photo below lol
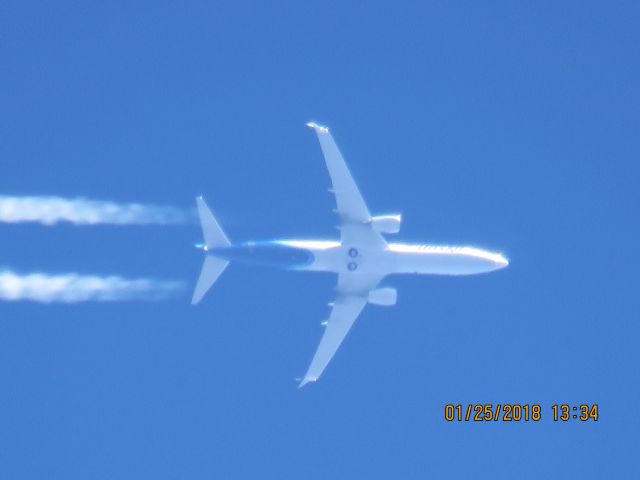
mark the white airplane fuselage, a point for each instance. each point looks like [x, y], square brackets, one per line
[362, 257]
[395, 258]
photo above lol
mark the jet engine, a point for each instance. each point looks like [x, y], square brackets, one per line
[385, 296]
[386, 223]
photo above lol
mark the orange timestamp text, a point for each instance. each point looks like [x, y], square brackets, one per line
[516, 412]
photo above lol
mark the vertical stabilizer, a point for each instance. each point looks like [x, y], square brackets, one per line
[213, 237]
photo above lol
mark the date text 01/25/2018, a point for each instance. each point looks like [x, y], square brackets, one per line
[515, 412]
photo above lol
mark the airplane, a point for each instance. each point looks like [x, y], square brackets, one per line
[361, 258]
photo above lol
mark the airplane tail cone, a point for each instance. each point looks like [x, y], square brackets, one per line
[213, 237]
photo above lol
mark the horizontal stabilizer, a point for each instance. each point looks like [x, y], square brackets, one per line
[213, 234]
[213, 237]
[211, 270]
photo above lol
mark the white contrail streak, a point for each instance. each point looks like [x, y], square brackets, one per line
[72, 288]
[81, 211]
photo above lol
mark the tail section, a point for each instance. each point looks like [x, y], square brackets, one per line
[211, 270]
[213, 237]
[213, 234]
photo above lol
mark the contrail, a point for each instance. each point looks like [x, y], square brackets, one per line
[73, 288]
[81, 211]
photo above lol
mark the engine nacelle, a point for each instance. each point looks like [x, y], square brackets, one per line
[386, 223]
[385, 296]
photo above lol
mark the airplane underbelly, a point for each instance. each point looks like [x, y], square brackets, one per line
[326, 260]
[267, 254]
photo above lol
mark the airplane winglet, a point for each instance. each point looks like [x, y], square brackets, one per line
[317, 128]
[306, 380]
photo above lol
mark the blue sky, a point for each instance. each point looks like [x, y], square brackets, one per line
[510, 126]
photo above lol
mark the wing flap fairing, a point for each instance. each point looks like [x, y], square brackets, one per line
[344, 314]
[351, 205]
[355, 219]
[353, 294]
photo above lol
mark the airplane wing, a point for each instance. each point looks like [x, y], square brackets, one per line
[353, 291]
[354, 215]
